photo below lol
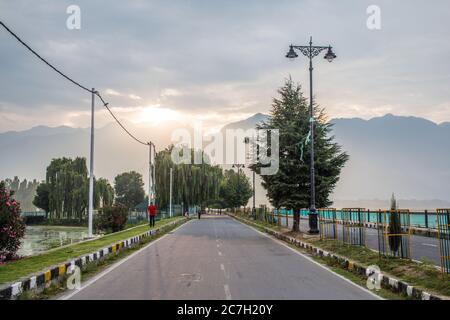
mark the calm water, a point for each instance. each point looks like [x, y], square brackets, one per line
[41, 238]
[417, 218]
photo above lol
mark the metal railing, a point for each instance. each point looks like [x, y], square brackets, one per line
[444, 238]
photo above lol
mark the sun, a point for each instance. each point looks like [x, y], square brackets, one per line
[157, 114]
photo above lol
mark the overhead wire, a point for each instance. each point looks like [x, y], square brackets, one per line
[105, 104]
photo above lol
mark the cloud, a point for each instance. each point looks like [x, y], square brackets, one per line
[134, 97]
[217, 60]
[111, 92]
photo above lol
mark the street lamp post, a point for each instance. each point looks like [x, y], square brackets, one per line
[247, 141]
[311, 52]
[170, 201]
[238, 166]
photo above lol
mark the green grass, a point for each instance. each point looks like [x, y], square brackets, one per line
[422, 275]
[361, 281]
[15, 270]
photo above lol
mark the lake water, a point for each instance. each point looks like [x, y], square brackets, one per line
[41, 238]
[417, 218]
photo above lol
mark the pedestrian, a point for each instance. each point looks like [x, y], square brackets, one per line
[151, 210]
[199, 213]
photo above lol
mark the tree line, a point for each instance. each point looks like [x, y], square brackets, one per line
[63, 195]
[202, 185]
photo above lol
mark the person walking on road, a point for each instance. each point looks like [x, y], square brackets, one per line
[151, 210]
[199, 212]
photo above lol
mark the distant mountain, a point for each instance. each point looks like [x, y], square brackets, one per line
[42, 131]
[247, 123]
[409, 156]
[27, 153]
[406, 155]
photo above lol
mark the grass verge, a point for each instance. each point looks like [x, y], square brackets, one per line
[15, 270]
[422, 275]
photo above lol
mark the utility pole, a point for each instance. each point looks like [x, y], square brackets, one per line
[247, 141]
[238, 166]
[170, 201]
[151, 175]
[254, 200]
[91, 169]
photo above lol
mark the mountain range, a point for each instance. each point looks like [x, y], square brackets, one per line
[409, 156]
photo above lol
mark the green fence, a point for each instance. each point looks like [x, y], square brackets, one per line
[394, 233]
[444, 238]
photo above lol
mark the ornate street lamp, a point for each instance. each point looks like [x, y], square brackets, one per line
[311, 52]
[238, 166]
[247, 142]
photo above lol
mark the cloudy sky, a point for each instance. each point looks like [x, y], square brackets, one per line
[220, 61]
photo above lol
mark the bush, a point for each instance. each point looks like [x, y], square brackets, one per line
[12, 226]
[112, 218]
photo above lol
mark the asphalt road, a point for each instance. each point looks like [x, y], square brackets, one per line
[421, 247]
[218, 258]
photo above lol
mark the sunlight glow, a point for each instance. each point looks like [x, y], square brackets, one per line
[156, 114]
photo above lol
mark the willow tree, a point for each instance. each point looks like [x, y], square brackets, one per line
[192, 184]
[68, 187]
[64, 193]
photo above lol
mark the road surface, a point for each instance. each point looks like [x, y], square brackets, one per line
[218, 258]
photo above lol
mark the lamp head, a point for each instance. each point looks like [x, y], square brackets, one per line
[330, 56]
[291, 55]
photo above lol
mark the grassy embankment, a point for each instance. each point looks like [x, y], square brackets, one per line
[423, 275]
[20, 268]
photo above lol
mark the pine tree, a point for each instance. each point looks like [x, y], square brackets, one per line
[290, 186]
[395, 227]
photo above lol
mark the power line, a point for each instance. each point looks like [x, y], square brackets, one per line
[105, 104]
[42, 59]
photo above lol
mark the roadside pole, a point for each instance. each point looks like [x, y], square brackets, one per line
[170, 201]
[149, 176]
[91, 169]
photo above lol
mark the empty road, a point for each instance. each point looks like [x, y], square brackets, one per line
[217, 258]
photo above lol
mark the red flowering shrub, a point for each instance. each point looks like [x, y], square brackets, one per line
[12, 226]
[112, 218]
